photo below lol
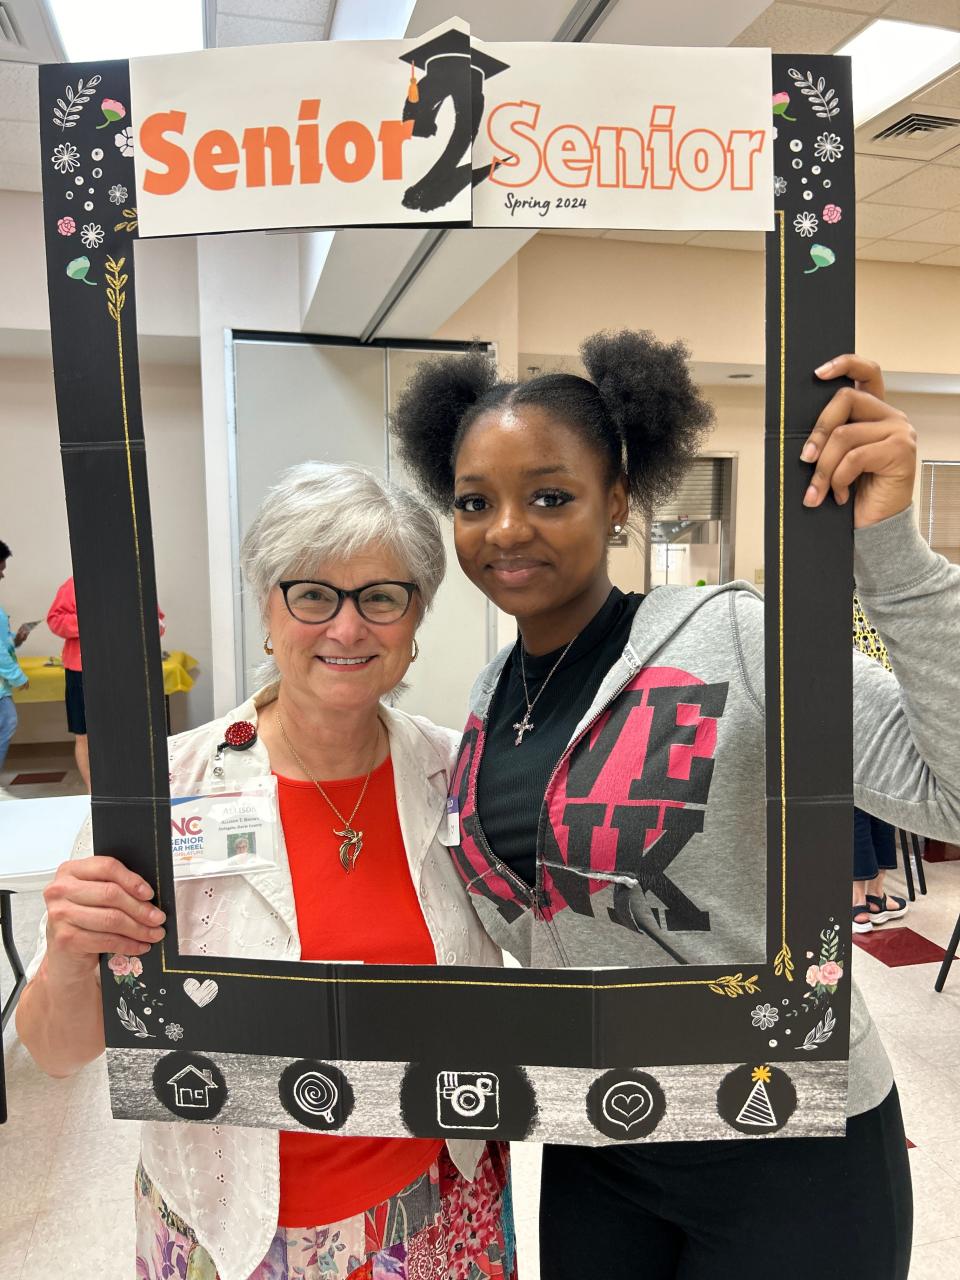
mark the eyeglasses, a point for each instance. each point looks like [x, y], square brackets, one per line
[377, 602]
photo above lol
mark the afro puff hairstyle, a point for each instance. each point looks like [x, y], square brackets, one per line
[638, 407]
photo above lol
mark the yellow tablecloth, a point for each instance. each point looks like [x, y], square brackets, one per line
[47, 682]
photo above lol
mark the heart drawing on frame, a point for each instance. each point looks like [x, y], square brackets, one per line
[201, 993]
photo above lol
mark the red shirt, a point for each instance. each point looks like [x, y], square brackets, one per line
[62, 621]
[373, 914]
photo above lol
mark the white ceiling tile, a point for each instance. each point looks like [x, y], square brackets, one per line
[785, 28]
[885, 219]
[950, 157]
[861, 6]
[942, 228]
[950, 258]
[19, 143]
[874, 172]
[939, 13]
[651, 237]
[19, 177]
[933, 186]
[752, 240]
[863, 241]
[245, 31]
[18, 92]
[316, 12]
[895, 251]
[944, 94]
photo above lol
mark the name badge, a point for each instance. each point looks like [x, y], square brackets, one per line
[450, 828]
[230, 832]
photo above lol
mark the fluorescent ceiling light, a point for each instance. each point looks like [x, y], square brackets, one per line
[891, 60]
[97, 30]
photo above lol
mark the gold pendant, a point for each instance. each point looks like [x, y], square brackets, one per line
[350, 849]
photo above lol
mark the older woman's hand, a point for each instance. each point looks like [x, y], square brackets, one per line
[94, 905]
[859, 437]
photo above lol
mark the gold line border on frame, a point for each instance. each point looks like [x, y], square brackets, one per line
[583, 986]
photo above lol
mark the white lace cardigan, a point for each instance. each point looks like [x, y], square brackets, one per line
[225, 1180]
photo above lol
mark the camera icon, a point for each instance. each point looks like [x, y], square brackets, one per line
[468, 1100]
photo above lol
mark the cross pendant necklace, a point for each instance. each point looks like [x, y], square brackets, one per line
[526, 725]
[523, 726]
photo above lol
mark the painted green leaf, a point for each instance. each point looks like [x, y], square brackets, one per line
[78, 269]
[822, 257]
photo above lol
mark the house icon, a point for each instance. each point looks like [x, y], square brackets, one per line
[192, 1087]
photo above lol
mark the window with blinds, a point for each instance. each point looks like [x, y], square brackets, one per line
[940, 507]
[703, 493]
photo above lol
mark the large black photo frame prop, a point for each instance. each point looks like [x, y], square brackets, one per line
[556, 1045]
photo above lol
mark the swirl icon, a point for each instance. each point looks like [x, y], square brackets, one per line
[316, 1094]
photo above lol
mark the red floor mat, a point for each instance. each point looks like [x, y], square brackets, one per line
[899, 946]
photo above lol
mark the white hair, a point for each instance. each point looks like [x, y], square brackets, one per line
[319, 512]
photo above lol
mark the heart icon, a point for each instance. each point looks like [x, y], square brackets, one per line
[626, 1104]
[201, 993]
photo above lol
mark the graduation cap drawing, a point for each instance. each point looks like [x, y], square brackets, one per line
[454, 70]
[448, 45]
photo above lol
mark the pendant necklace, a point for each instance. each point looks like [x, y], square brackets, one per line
[526, 725]
[351, 837]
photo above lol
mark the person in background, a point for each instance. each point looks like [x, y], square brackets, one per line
[874, 854]
[62, 621]
[11, 673]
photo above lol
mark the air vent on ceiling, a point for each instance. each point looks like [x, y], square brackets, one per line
[915, 123]
[908, 132]
[9, 35]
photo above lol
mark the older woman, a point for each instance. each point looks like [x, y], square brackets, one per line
[344, 568]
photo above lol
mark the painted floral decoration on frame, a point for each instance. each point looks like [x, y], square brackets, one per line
[65, 157]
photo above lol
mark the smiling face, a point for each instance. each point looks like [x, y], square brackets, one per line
[348, 662]
[533, 506]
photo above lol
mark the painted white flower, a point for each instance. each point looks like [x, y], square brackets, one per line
[117, 193]
[828, 147]
[765, 1016]
[174, 1031]
[92, 235]
[65, 158]
[124, 140]
[779, 186]
[805, 223]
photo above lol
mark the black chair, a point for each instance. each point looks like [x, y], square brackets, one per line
[910, 844]
[949, 958]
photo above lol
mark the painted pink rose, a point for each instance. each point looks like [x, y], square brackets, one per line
[66, 226]
[830, 973]
[120, 965]
[112, 112]
[136, 968]
[832, 213]
[781, 97]
[813, 975]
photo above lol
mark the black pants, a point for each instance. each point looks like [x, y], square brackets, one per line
[789, 1208]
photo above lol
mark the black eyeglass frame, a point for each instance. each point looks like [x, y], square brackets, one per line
[343, 594]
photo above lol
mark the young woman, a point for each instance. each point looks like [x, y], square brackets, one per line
[538, 475]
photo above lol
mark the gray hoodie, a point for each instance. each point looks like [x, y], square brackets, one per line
[675, 905]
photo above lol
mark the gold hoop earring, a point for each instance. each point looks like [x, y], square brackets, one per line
[416, 650]
[266, 645]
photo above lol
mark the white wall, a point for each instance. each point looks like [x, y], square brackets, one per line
[33, 520]
[249, 281]
[166, 274]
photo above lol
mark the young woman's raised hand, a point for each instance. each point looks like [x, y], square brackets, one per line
[859, 437]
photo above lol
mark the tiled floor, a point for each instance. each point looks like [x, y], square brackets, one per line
[66, 1167]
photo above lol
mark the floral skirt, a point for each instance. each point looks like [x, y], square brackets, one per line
[440, 1227]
